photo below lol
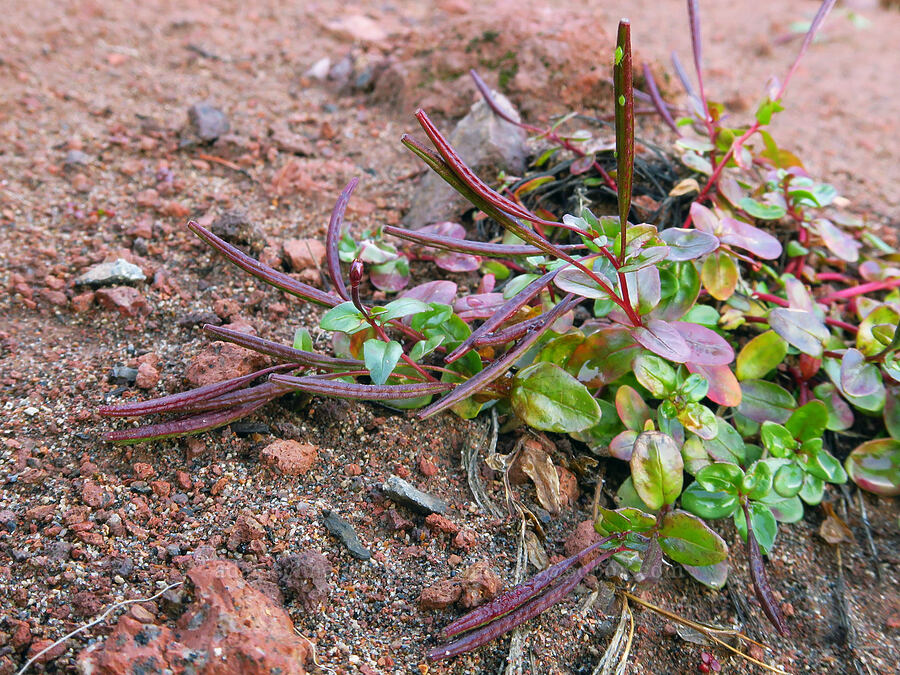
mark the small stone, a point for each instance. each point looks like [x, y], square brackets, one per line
[440, 595]
[402, 492]
[118, 273]
[568, 487]
[81, 183]
[245, 530]
[83, 301]
[427, 467]
[344, 531]
[305, 576]
[290, 457]
[304, 254]
[319, 70]
[86, 604]
[40, 645]
[465, 539]
[141, 614]
[8, 520]
[353, 469]
[207, 122]
[143, 471]
[147, 376]
[76, 158]
[93, 495]
[128, 301]
[480, 583]
[358, 28]
[439, 523]
[122, 375]
[222, 361]
[582, 536]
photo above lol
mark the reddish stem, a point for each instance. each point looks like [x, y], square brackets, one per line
[862, 289]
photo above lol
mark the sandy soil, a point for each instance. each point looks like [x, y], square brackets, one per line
[113, 82]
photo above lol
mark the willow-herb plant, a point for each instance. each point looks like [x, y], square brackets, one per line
[653, 377]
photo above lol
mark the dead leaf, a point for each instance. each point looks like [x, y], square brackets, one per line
[833, 529]
[538, 466]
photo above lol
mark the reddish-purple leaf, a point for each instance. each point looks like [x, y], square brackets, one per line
[441, 291]
[707, 347]
[704, 219]
[688, 244]
[750, 238]
[658, 101]
[479, 306]
[457, 262]
[663, 339]
[724, 387]
[858, 377]
[622, 445]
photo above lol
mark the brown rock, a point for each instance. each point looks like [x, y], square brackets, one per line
[465, 539]
[229, 628]
[222, 361]
[304, 253]
[86, 604]
[147, 198]
[40, 645]
[143, 471]
[480, 583]
[438, 523]
[290, 457]
[147, 376]
[582, 536]
[568, 487]
[127, 300]
[83, 301]
[142, 614]
[20, 633]
[442, 594]
[427, 467]
[305, 576]
[245, 530]
[93, 495]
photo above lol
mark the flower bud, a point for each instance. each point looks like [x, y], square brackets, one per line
[356, 272]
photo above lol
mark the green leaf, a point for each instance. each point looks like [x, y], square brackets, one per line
[859, 377]
[762, 401]
[712, 576]
[344, 318]
[599, 436]
[604, 356]
[632, 410]
[875, 466]
[727, 446]
[760, 356]
[777, 439]
[708, 505]
[381, 358]
[623, 520]
[573, 280]
[719, 275]
[822, 464]
[656, 469]
[694, 388]
[812, 490]
[760, 210]
[674, 305]
[800, 328]
[302, 340]
[757, 481]
[720, 477]
[765, 527]
[546, 397]
[626, 495]
[766, 109]
[788, 480]
[655, 375]
[866, 342]
[694, 455]
[840, 416]
[808, 421]
[403, 307]
[688, 540]
[425, 347]
[698, 419]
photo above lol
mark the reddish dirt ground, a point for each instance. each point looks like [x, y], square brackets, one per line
[113, 81]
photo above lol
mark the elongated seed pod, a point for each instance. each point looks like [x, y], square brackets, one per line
[280, 351]
[334, 236]
[525, 612]
[279, 280]
[177, 402]
[515, 597]
[184, 426]
[760, 582]
[362, 392]
[472, 247]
